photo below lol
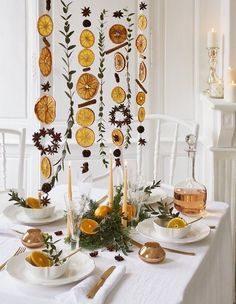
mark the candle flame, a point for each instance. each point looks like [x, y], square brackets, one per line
[213, 30]
[126, 163]
[69, 164]
[229, 68]
[110, 151]
[233, 82]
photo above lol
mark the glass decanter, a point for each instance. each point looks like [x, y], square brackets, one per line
[189, 195]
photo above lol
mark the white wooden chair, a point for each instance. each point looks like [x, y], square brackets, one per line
[170, 131]
[6, 137]
[160, 129]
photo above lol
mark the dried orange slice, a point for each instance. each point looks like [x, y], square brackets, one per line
[119, 61]
[85, 117]
[40, 259]
[118, 33]
[141, 43]
[87, 86]
[88, 226]
[142, 22]
[142, 71]
[45, 109]
[45, 25]
[140, 98]
[45, 61]
[87, 39]
[33, 202]
[177, 222]
[86, 57]
[102, 211]
[117, 137]
[85, 137]
[118, 95]
[46, 168]
[141, 114]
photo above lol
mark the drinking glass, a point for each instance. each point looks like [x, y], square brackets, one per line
[75, 210]
[136, 195]
[84, 181]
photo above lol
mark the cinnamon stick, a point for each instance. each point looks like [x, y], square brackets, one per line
[86, 69]
[46, 42]
[116, 48]
[141, 86]
[87, 103]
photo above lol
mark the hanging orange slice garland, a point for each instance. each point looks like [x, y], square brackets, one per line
[141, 45]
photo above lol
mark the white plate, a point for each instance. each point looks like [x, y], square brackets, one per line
[15, 213]
[80, 266]
[197, 232]
[156, 196]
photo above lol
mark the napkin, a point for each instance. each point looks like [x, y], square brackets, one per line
[77, 295]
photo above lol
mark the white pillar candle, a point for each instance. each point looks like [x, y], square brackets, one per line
[230, 74]
[230, 92]
[212, 39]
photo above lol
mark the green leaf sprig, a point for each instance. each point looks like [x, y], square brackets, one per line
[19, 200]
[101, 70]
[128, 76]
[51, 251]
[154, 185]
[68, 48]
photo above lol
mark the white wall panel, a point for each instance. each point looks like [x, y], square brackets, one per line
[13, 59]
[179, 58]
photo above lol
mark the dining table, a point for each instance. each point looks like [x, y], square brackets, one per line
[206, 277]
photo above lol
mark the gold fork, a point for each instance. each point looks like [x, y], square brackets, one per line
[18, 251]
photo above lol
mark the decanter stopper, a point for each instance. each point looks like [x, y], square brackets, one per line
[191, 140]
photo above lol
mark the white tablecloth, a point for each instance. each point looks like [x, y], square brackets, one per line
[205, 278]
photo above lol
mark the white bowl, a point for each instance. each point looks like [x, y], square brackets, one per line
[50, 273]
[170, 233]
[41, 213]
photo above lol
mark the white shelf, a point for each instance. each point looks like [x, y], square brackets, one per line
[219, 104]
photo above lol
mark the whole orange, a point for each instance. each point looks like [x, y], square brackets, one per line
[102, 211]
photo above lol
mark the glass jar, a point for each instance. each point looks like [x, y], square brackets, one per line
[189, 195]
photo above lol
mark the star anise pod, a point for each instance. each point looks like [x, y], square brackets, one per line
[86, 11]
[119, 258]
[118, 14]
[110, 247]
[142, 6]
[43, 132]
[45, 86]
[45, 200]
[36, 137]
[116, 138]
[142, 141]
[118, 163]
[93, 254]
[85, 167]
[56, 137]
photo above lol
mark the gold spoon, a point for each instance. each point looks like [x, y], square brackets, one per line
[139, 245]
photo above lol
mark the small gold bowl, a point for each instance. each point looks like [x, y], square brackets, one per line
[32, 238]
[152, 252]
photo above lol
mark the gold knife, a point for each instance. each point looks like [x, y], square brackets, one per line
[92, 292]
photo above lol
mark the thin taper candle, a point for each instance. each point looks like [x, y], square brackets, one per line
[125, 196]
[68, 226]
[69, 183]
[110, 191]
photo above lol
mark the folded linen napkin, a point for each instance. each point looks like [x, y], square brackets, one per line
[77, 295]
